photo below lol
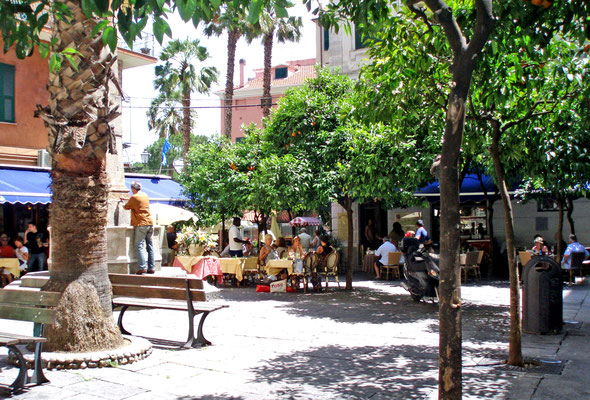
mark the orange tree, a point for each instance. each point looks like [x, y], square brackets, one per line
[341, 159]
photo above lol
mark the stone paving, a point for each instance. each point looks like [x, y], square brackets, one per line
[372, 343]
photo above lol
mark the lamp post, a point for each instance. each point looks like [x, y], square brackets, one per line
[145, 157]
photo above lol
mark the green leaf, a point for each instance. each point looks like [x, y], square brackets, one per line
[88, 8]
[43, 49]
[72, 61]
[54, 62]
[109, 37]
[70, 50]
[186, 9]
[281, 12]
[255, 10]
[99, 27]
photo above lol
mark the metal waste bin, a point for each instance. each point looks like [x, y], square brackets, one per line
[542, 299]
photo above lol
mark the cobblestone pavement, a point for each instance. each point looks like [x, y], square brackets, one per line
[371, 343]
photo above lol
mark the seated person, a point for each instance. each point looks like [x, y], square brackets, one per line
[281, 247]
[172, 243]
[248, 248]
[297, 249]
[539, 248]
[6, 250]
[267, 252]
[324, 250]
[383, 252]
[572, 247]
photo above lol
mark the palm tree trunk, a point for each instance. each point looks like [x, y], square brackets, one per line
[186, 122]
[232, 40]
[515, 340]
[77, 119]
[266, 96]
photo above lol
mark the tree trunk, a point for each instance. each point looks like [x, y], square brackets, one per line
[570, 210]
[515, 341]
[232, 40]
[266, 96]
[186, 122]
[347, 205]
[560, 226]
[77, 119]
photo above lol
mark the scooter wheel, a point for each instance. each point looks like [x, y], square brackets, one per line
[416, 297]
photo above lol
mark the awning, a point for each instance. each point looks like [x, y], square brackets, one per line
[305, 221]
[472, 189]
[30, 185]
[22, 186]
[158, 189]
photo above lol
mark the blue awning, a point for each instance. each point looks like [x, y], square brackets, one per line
[471, 189]
[158, 189]
[22, 186]
[30, 185]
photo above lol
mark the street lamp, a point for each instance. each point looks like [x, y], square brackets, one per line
[144, 157]
[178, 165]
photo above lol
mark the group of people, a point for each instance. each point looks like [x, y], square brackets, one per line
[30, 250]
[392, 242]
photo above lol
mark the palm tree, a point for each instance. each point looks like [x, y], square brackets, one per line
[234, 22]
[287, 29]
[178, 77]
[164, 116]
[77, 118]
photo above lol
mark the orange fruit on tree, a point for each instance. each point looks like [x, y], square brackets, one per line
[537, 2]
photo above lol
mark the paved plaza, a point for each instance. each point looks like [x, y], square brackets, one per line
[372, 343]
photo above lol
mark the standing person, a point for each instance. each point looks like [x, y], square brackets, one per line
[573, 246]
[235, 239]
[172, 244]
[6, 250]
[422, 233]
[370, 234]
[315, 243]
[397, 233]
[141, 219]
[305, 239]
[35, 242]
[22, 253]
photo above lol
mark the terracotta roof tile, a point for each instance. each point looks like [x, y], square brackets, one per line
[295, 78]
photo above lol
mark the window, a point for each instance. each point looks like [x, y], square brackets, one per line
[281, 72]
[326, 39]
[6, 93]
[547, 204]
[359, 40]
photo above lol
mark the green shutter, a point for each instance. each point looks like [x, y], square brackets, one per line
[6, 93]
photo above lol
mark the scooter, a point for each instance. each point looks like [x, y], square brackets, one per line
[421, 270]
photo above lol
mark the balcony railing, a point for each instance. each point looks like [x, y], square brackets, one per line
[144, 45]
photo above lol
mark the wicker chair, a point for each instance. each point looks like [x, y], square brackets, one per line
[576, 260]
[310, 265]
[331, 267]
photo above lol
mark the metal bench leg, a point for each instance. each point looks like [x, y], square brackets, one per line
[120, 321]
[21, 379]
[200, 338]
[190, 342]
[38, 375]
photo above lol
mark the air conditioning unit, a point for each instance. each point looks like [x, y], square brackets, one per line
[43, 159]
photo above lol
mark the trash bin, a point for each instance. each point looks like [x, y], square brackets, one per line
[542, 304]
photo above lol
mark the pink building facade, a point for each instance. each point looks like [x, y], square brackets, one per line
[248, 95]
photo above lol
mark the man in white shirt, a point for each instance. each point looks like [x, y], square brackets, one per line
[305, 240]
[235, 239]
[383, 252]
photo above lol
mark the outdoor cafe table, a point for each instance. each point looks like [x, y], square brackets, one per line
[273, 267]
[11, 265]
[232, 266]
[369, 262]
[200, 266]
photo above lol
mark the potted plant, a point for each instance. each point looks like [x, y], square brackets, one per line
[194, 242]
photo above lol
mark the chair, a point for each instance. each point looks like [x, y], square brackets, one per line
[310, 264]
[470, 264]
[525, 257]
[576, 263]
[331, 267]
[393, 259]
[250, 268]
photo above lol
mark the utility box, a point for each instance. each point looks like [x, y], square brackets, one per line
[542, 298]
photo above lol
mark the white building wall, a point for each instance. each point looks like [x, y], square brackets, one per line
[339, 221]
[342, 53]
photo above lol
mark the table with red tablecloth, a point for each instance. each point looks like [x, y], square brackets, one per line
[200, 266]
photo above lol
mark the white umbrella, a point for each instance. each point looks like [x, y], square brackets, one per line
[165, 214]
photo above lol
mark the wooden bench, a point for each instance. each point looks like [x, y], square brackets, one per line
[151, 292]
[27, 305]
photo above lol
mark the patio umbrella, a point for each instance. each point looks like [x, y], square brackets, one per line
[305, 221]
[165, 214]
[274, 227]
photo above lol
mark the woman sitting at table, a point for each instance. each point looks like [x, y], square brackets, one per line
[297, 253]
[539, 248]
[324, 250]
[267, 252]
[281, 247]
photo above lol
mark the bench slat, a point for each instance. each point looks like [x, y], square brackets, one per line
[162, 281]
[23, 313]
[8, 339]
[156, 292]
[198, 306]
[29, 297]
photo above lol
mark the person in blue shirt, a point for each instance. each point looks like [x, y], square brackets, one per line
[573, 246]
[422, 233]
